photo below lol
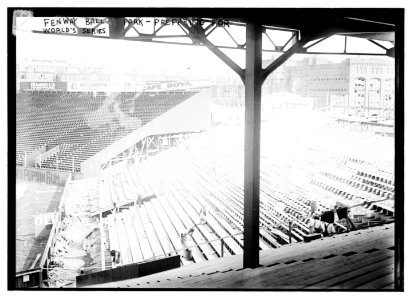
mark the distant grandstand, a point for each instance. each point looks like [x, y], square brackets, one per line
[77, 125]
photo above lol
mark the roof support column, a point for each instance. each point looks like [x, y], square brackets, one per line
[253, 85]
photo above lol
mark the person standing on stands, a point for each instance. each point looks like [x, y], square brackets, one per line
[115, 207]
[202, 216]
[328, 219]
[329, 229]
[115, 256]
[187, 251]
[343, 213]
[315, 226]
[313, 207]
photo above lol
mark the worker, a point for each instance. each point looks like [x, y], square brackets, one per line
[329, 229]
[202, 216]
[315, 225]
[115, 256]
[187, 251]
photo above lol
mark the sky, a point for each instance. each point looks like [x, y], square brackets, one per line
[147, 58]
[144, 56]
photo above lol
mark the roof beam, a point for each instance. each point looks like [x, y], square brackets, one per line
[391, 52]
[297, 47]
[381, 36]
[197, 34]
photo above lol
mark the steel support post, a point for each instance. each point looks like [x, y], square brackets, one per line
[290, 232]
[252, 144]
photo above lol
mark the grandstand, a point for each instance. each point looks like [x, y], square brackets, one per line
[160, 197]
[81, 124]
[204, 171]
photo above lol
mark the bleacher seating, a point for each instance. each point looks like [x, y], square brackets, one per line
[82, 124]
[206, 171]
[355, 260]
[196, 175]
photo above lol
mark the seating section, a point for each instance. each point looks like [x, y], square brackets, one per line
[83, 124]
[355, 260]
[206, 171]
[197, 174]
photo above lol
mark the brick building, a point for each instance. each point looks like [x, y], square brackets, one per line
[355, 86]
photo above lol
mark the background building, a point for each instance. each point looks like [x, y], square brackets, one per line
[356, 86]
[361, 87]
[64, 76]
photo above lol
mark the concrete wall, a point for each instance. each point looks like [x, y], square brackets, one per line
[194, 114]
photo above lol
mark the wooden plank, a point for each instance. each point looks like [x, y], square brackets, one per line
[123, 239]
[119, 193]
[35, 261]
[187, 213]
[167, 224]
[191, 184]
[137, 181]
[112, 232]
[142, 235]
[143, 178]
[292, 275]
[270, 238]
[175, 218]
[335, 275]
[132, 237]
[281, 276]
[131, 184]
[221, 232]
[379, 283]
[216, 187]
[111, 193]
[389, 287]
[107, 193]
[180, 277]
[126, 188]
[151, 234]
[101, 194]
[165, 241]
[212, 190]
[381, 269]
[170, 229]
[102, 239]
